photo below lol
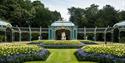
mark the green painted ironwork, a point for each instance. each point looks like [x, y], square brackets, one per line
[72, 30]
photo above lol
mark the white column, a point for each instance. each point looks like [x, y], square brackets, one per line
[119, 34]
[30, 34]
[105, 35]
[95, 34]
[40, 33]
[5, 36]
[19, 34]
[112, 34]
[12, 35]
[85, 33]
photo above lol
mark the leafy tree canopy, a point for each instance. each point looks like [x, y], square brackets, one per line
[92, 16]
[26, 13]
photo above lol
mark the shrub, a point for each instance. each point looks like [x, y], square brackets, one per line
[87, 41]
[18, 53]
[59, 43]
[2, 38]
[122, 40]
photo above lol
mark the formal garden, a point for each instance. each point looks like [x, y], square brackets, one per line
[62, 31]
[62, 51]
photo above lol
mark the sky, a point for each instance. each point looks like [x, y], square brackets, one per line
[62, 5]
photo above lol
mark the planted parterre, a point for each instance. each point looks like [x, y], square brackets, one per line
[102, 53]
[60, 43]
[18, 53]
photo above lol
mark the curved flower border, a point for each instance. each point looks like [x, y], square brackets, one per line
[101, 58]
[20, 58]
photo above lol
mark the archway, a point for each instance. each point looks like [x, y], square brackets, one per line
[9, 34]
[59, 34]
[116, 35]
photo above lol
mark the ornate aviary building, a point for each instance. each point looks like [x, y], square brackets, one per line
[62, 30]
[4, 25]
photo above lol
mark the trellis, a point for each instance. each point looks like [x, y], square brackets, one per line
[84, 30]
[29, 30]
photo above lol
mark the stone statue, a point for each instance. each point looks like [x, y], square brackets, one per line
[40, 37]
[63, 36]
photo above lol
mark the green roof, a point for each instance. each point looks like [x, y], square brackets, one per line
[4, 23]
[62, 23]
[122, 23]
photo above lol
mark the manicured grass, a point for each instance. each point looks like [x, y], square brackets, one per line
[61, 56]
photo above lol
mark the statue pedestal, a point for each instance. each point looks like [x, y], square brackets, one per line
[63, 36]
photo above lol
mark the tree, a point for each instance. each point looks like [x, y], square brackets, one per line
[92, 16]
[77, 15]
[107, 16]
[83, 17]
[42, 16]
[121, 15]
[24, 13]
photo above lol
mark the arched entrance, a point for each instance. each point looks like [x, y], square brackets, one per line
[59, 29]
[60, 32]
[9, 34]
[116, 35]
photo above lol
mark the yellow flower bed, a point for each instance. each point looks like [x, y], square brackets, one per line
[114, 49]
[11, 49]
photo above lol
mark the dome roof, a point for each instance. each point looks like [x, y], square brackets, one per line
[122, 23]
[3, 23]
[62, 23]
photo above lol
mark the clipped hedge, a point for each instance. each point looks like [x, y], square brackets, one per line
[2, 38]
[122, 40]
[102, 53]
[87, 41]
[59, 43]
[19, 53]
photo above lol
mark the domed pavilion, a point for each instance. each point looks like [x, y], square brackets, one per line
[120, 24]
[62, 30]
[4, 25]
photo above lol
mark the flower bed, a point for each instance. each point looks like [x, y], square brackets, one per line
[87, 42]
[102, 53]
[60, 43]
[18, 53]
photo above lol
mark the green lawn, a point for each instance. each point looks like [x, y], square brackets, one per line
[61, 56]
